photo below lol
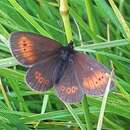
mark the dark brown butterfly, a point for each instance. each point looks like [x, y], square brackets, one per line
[72, 73]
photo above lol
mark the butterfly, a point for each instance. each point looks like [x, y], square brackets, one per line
[73, 74]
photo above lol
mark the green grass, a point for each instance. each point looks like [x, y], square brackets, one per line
[98, 27]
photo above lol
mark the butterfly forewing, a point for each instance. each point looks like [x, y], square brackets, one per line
[29, 48]
[93, 77]
[39, 76]
[68, 88]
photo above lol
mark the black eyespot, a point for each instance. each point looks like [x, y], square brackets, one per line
[24, 44]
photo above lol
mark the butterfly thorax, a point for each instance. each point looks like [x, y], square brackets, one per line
[66, 54]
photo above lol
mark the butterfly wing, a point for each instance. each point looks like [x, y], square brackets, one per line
[39, 76]
[93, 77]
[68, 88]
[29, 48]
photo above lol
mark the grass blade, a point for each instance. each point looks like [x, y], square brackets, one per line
[75, 116]
[104, 101]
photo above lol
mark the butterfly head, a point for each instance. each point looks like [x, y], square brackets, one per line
[70, 46]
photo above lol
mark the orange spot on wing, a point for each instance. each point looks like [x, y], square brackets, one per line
[74, 89]
[26, 48]
[40, 78]
[62, 88]
[69, 90]
[97, 80]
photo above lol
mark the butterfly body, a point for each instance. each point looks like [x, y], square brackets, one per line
[65, 56]
[72, 73]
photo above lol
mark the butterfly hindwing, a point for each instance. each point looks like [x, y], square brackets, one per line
[68, 88]
[93, 77]
[39, 77]
[29, 48]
